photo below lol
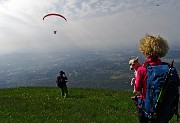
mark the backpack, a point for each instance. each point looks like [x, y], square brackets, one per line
[61, 81]
[162, 96]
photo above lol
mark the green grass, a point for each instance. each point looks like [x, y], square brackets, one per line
[45, 105]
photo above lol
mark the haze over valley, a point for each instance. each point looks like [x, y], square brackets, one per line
[89, 69]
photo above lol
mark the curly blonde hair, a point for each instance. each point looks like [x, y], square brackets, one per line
[153, 46]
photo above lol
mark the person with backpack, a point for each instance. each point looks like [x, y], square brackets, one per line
[61, 83]
[156, 83]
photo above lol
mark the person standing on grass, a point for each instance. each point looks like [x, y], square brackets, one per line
[61, 83]
[153, 48]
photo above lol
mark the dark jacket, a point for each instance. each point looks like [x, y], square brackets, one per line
[61, 81]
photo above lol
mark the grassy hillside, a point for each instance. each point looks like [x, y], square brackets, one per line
[45, 105]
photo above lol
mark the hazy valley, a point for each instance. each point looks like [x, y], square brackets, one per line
[92, 69]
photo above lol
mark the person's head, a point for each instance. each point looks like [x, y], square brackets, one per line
[61, 72]
[153, 46]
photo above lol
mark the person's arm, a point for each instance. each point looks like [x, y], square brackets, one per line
[139, 80]
[65, 77]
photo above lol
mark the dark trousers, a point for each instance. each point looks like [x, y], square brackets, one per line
[143, 119]
[64, 91]
[141, 116]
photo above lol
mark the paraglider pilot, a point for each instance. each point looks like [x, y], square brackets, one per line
[61, 83]
[55, 32]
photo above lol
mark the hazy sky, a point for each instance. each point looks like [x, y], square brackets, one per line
[90, 23]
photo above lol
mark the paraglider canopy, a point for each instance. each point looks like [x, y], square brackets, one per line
[54, 14]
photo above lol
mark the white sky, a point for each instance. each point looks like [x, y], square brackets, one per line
[90, 23]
